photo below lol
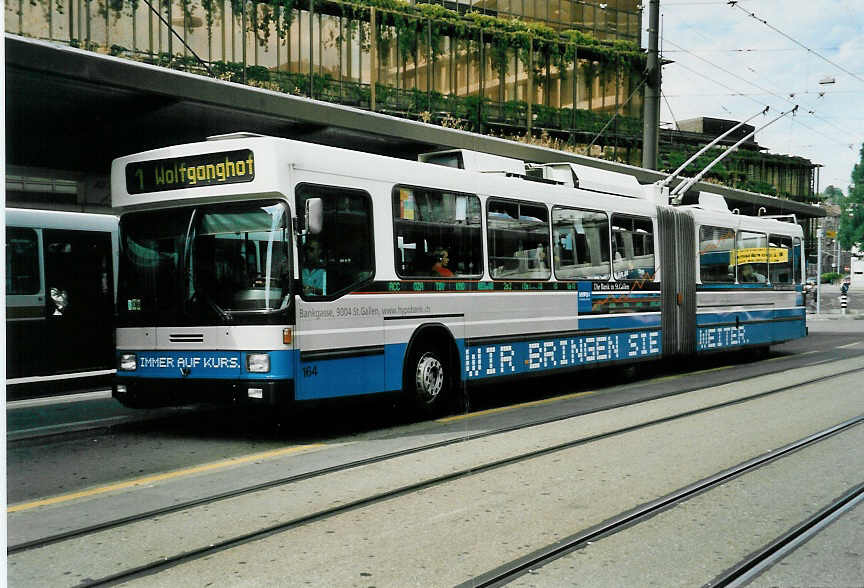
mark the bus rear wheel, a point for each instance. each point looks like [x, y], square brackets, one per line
[428, 381]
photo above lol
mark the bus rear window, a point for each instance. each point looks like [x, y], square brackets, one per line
[780, 258]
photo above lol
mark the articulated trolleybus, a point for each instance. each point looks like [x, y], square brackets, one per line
[265, 270]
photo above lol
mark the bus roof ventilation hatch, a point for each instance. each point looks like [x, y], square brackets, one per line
[712, 201]
[474, 161]
[591, 178]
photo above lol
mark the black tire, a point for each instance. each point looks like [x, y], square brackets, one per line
[428, 383]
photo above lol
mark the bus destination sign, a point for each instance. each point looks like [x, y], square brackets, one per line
[193, 171]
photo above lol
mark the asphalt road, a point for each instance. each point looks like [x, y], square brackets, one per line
[451, 532]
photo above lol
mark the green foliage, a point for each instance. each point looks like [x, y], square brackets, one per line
[474, 111]
[852, 214]
[758, 186]
[829, 277]
[421, 27]
[832, 195]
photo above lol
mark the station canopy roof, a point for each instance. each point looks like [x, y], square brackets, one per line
[75, 110]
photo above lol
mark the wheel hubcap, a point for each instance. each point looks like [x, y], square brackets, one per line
[429, 377]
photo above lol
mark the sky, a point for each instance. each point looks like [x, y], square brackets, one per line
[729, 65]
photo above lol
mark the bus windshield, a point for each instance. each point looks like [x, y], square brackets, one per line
[202, 265]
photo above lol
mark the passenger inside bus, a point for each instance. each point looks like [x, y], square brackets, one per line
[314, 275]
[748, 274]
[442, 259]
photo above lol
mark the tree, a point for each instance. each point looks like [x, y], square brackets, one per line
[852, 215]
[832, 195]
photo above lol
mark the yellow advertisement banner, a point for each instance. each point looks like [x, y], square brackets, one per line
[757, 255]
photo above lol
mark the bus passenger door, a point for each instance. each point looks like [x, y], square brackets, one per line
[678, 280]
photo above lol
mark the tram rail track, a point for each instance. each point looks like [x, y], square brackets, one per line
[284, 481]
[738, 575]
[206, 500]
[240, 539]
[752, 566]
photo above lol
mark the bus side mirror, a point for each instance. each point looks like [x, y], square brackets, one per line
[314, 216]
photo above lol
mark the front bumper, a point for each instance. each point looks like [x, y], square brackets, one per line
[146, 393]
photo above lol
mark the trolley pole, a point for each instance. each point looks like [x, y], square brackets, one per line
[651, 109]
[818, 269]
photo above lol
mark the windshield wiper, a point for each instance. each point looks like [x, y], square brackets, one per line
[198, 297]
[223, 314]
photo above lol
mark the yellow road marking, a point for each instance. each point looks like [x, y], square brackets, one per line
[160, 477]
[677, 376]
[460, 417]
[791, 356]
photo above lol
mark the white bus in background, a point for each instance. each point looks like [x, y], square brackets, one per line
[60, 284]
[267, 271]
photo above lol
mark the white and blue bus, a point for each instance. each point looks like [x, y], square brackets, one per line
[60, 284]
[270, 271]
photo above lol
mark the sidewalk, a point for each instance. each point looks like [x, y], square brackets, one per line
[829, 304]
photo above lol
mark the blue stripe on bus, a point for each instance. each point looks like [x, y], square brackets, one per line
[631, 337]
[723, 330]
[338, 377]
[543, 355]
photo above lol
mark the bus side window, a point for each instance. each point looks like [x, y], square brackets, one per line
[342, 257]
[633, 245]
[716, 249]
[580, 244]
[518, 240]
[780, 258]
[436, 234]
[22, 261]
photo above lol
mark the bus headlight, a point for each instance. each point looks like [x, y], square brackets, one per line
[128, 362]
[258, 362]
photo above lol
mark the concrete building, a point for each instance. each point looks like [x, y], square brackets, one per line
[751, 167]
[87, 82]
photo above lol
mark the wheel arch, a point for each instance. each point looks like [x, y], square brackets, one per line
[436, 334]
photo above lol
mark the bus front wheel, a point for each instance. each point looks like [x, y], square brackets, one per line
[428, 381]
